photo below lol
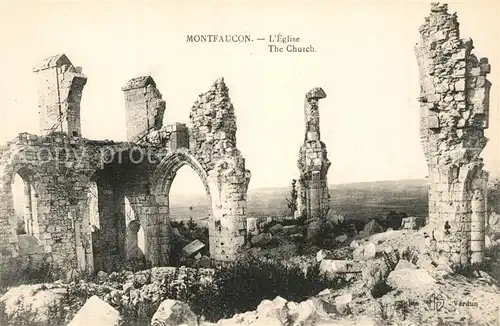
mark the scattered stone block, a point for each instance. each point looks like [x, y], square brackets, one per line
[174, 313]
[296, 237]
[369, 251]
[320, 255]
[405, 264]
[341, 238]
[275, 229]
[290, 229]
[325, 292]
[192, 248]
[313, 229]
[354, 244]
[487, 242]
[261, 240]
[412, 280]
[252, 226]
[342, 303]
[38, 297]
[330, 267]
[96, 312]
[372, 228]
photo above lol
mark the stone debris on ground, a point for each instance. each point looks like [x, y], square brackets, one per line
[341, 238]
[174, 313]
[36, 298]
[252, 226]
[331, 268]
[275, 229]
[371, 228]
[261, 240]
[96, 312]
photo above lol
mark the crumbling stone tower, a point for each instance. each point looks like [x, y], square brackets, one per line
[60, 86]
[313, 163]
[454, 113]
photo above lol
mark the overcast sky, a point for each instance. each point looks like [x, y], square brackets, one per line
[364, 62]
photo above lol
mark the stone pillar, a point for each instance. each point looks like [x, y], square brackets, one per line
[228, 184]
[313, 163]
[144, 107]
[60, 86]
[454, 113]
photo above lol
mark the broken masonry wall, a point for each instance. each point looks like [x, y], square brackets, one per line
[213, 126]
[59, 189]
[313, 163]
[454, 113]
[213, 144]
[60, 87]
[61, 170]
[144, 107]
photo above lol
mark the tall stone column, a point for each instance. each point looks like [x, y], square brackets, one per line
[313, 163]
[454, 113]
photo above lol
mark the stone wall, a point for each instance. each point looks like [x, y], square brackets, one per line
[313, 163]
[454, 113]
[61, 170]
[75, 188]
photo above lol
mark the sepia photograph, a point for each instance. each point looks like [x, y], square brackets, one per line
[266, 163]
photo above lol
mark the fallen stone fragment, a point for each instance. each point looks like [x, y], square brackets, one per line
[173, 313]
[96, 312]
[261, 240]
[372, 228]
[404, 264]
[275, 229]
[354, 244]
[320, 255]
[252, 226]
[193, 248]
[290, 229]
[36, 299]
[330, 267]
[296, 236]
[412, 280]
[342, 303]
[369, 251]
[341, 238]
[313, 229]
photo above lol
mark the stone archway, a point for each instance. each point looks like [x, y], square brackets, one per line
[226, 193]
[165, 174]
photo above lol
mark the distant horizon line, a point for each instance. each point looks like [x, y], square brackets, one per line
[347, 183]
